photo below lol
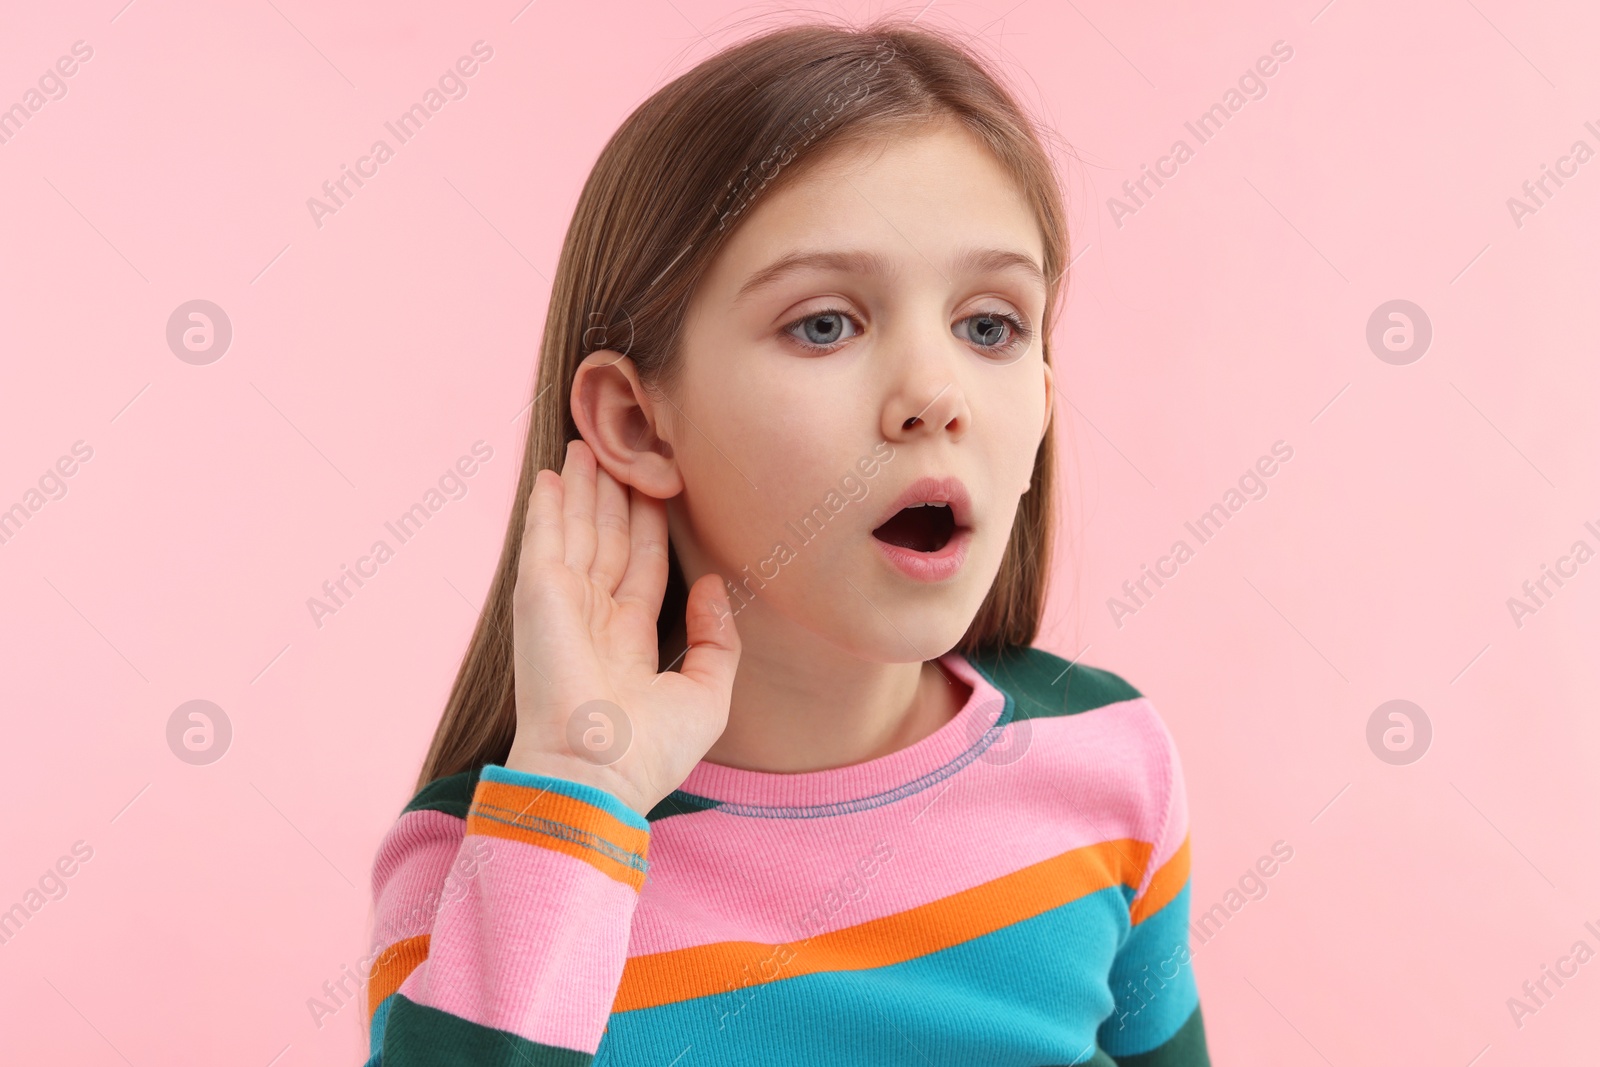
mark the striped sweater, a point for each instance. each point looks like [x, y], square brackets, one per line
[1013, 889]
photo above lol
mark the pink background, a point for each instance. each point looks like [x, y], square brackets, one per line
[1228, 313]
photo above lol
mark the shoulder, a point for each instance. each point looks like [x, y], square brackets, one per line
[1043, 684]
[423, 840]
[1093, 731]
[1077, 715]
[451, 794]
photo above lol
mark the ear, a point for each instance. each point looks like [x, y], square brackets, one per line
[619, 421]
[1049, 400]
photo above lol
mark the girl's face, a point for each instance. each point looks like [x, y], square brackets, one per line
[857, 334]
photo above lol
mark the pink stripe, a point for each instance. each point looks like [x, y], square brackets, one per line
[413, 861]
[533, 944]
[1175, 794]
[1096, 776]
[979, 712]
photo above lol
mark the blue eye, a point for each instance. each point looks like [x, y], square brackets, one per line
[828, 331]
[823, 331]
[992, 326]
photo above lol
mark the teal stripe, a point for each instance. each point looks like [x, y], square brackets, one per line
[600, 798]
[1153, 982]
[380, 1019]
[1031, 993]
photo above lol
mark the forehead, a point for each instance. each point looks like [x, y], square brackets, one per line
[916, 198]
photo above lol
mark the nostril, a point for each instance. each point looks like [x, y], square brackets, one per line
[912, 421]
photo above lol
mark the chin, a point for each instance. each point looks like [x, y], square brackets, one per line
[912, 638]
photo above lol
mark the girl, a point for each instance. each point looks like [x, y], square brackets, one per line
[796, 378]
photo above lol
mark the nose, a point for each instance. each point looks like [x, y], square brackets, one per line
[932, 406]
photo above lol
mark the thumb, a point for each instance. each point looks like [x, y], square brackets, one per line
[713, 654]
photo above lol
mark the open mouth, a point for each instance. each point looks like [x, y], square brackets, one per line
[920, 527]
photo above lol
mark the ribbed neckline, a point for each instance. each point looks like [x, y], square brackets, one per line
[859, 785]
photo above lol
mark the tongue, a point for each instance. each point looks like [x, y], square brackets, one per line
[924, 529]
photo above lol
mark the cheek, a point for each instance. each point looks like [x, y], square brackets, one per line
[1010, 420]
[757, 456]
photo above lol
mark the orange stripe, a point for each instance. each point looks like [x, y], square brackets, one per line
[391, 968]
[550, 805]
[668, 977]
[521, 813]
[1167, 883]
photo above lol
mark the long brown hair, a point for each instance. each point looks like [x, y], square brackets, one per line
[671, 185]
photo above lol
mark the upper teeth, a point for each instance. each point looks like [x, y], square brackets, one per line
[929, 504]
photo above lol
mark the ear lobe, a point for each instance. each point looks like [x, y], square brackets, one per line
[1049, 399]
[619, 421]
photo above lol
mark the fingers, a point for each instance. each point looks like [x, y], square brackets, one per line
[645, 581]
[542, 539]
[713, 655]
[578, 474]
[611, 528]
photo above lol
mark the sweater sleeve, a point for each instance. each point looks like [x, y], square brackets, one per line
[1156, 1021]
[503, 919]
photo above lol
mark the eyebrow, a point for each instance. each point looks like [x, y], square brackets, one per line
[970, 260]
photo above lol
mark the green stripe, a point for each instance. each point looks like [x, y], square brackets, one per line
[1186, 1048]
[419, 1036]
[1044, 685]
[678, 802]
[451, 794]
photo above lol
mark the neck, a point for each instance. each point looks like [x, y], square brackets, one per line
[803, 704]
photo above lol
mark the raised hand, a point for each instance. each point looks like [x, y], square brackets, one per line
[591, 706]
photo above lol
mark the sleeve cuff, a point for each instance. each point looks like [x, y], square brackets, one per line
[573, 818]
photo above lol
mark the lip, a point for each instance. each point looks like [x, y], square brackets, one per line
[931, 566]
[935, 491]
